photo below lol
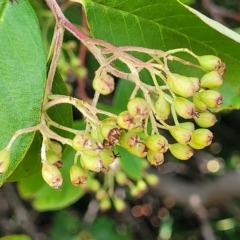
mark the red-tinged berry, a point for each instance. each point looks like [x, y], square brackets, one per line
[138, 107]
[205, 119]
[181, 152]
[139, 150]
[202, 137]
[181, 85]
[128, 139]
[155, 158]
[104, 84]
[4, 160]
[211, 98]
[157, 143]
[184, 108]
[212, 79]
[110, 133]
[51, 175]
[78, 175]
[162, 107]
[182, 135]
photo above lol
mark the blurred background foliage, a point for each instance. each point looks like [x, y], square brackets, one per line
[155, 213]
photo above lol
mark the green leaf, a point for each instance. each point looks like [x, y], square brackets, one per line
[167, 25]
[61, 114]
[16, 237]
[131, 164]
[22, 78]
[45, 198]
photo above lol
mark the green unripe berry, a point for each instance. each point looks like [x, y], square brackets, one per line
[107, 156]
[196, 83]
[184, 108]
[155, 158]
[101, 194]
[202, 137]
[162, 107]
[121, 178]
[55, 147]
[139, 150]
[93, 184]
[212, 79]
[141, 185]
[181, 152]
[152, 179]
[157, 143]
[91, 163]
[135, 191]
[51, 175]
[128, 139]
[104, 84]
[195, 146]
[105, 204]
[211, 63]
[4, 160]
[211, 98]
[138, 107]
[110, 133]
[200, 105]
[205, 119]
[119, 204]
[127, 121]
[78, 175]
[181, 85]
[54, 159]
[182, 135]
[84, 142]
[187, 125]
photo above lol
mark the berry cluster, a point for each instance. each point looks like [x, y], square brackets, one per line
[140, 128]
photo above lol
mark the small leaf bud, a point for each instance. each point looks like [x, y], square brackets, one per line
[104, 84]
[211, 63]
[211, 98]
[78, 175]
[157, 143]
[162, 107]
[138, 107]
[181, 134]
[4, 160]
[212, 79]
[184, 108]
[202, 137]
[155, 158]
[181, 85]
[51, 175]
[205, 119]
[181, 152]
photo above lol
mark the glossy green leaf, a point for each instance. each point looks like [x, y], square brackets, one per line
[166, 25]
[22, 78]
[62, 114]
[16, 237]
[45, 198]
[131, 164]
